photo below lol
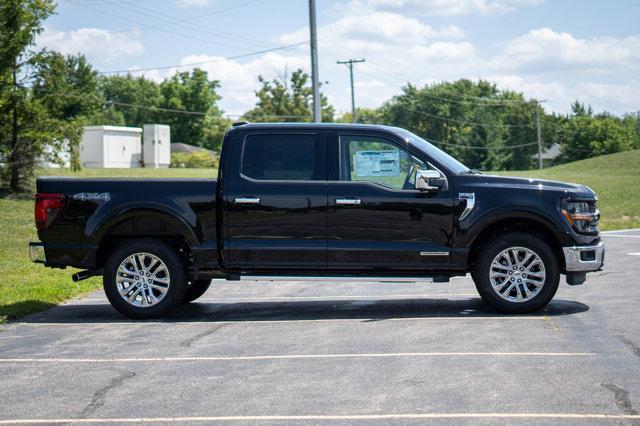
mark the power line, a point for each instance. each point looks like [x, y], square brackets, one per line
[491, 103]
[487, 148]
[454, 120]
[218, 33]
[181, 22]
[198, 113]
[80, 2]
[164, 30]
[153, 108]
[452, 93]
[289, 46]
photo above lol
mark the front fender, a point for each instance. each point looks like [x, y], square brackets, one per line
[468, 231]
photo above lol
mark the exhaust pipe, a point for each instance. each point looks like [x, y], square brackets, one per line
[82, 275]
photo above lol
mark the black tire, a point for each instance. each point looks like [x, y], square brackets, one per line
[482, 270]
[195, 290]
[174, 265]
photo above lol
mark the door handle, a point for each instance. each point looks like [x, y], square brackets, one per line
[246, 200]
[348, 201]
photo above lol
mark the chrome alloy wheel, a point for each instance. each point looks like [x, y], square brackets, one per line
[517, 274]
[143, 279]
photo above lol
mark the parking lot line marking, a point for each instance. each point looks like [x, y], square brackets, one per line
[634, 254]
[622, 236]
[293, 356]
[318, 417]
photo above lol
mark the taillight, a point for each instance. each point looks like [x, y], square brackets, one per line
[48, 207]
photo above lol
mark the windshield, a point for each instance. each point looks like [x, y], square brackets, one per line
[438, 154]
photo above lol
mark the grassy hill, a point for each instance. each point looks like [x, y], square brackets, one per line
[614, 177]
[26, 287]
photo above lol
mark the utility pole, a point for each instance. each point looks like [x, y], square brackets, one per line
[317, 118]
[539, 133]
[350, 64]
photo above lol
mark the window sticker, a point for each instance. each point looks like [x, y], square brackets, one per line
[377, 163]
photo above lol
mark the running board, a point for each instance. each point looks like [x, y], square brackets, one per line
[343, 278]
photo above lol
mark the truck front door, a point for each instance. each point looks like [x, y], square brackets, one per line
[377, 219]
[276, 201]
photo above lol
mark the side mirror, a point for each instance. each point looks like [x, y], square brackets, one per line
[429, 180]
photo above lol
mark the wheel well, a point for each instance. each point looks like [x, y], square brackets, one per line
[142, 227]
[520, 225]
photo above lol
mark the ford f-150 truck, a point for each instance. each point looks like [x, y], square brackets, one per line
[320, 201]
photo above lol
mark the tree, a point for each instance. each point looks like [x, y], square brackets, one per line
[363, 116]
[474, 121]
[585, 135]
[67, 88]
[29, 126]
[128, 101]
[287, 100]
[190, 92]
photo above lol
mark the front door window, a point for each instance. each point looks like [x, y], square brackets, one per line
[375, 160]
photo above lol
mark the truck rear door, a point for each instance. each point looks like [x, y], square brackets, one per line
[276, 200]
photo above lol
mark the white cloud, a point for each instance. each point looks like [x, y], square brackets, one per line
[445, 7]
[546, 49]
[611, 96]
[372, 32]
[614, 97]
[402, 43]
[97, 44]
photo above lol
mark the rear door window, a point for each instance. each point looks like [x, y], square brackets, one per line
[294, 157]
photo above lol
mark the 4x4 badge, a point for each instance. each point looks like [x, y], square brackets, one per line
[92, 196]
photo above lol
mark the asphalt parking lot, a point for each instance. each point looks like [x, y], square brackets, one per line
[337, 352]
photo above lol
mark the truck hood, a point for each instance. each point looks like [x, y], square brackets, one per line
[508, 182]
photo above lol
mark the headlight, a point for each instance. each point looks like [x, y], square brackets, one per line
[583, 216]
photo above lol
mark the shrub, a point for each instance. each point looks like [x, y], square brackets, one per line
[194, 160]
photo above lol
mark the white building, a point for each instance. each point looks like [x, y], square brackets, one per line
[111, 147]
[157, 146]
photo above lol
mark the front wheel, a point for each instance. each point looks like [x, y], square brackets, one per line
[517, 273]
[144, 279]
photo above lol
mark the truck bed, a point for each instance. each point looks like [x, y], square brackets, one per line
[98, 209]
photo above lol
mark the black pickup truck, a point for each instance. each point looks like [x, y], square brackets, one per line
[320, 201]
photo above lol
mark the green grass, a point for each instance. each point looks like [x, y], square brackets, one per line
[614, 177]
[26, 287]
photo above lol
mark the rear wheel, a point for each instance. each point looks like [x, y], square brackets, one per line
[517, 273]
[195, 290]
[144, 279]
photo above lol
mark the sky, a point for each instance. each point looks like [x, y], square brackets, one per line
[553, 50]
